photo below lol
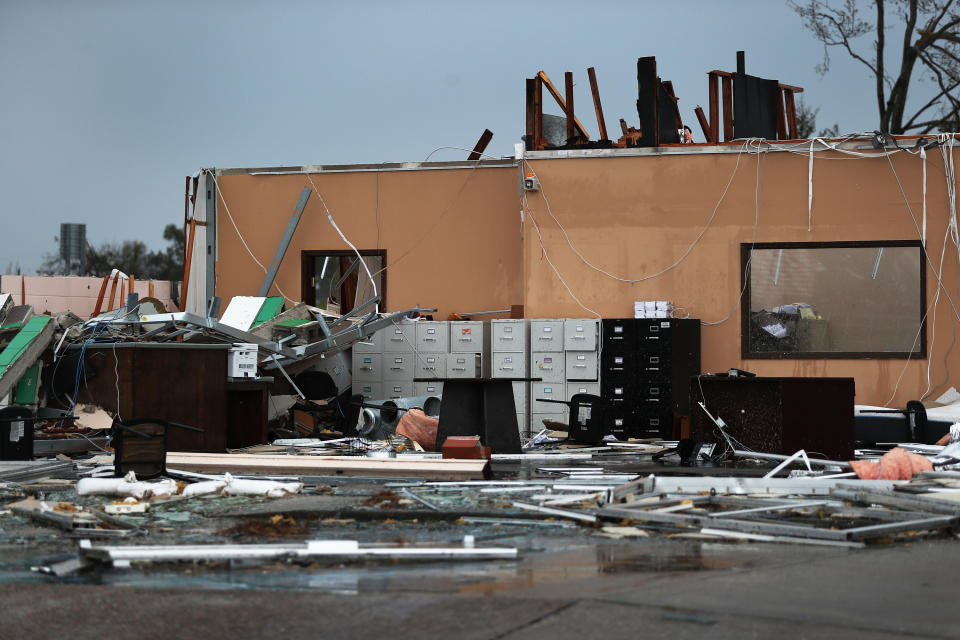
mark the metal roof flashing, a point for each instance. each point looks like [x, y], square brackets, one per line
[860, 143]
[366, 168]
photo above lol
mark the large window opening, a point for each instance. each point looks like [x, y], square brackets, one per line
[337, 281]
[833, 300]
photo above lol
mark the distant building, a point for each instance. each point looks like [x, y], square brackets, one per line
[73, 247]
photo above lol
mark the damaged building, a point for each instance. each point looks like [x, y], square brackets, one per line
[610, 335]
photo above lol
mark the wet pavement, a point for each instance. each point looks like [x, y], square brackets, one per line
[569, 579]
[647, 588]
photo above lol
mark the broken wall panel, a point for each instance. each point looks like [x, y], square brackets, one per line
[396, 208]
[648, 91]
[655, 221]
[755, 107]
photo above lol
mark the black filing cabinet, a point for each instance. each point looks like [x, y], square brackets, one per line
[645, 370]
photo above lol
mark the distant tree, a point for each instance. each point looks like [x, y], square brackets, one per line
[807, 122]
[130, 257]
[53, 264]
[930, 48]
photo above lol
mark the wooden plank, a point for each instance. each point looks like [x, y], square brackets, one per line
[186, 265]
[714, 84]
[727, 109]
[704, 125]
[103, 290]
[531, 111]
[433, 468]
[729, 74]
[678, 120]
[568, 108]
[23, 351]
[791, 108]
[556, 96]
[538, 114]
[481, 145]
[592, 74]
[113, 290]
[781, 118]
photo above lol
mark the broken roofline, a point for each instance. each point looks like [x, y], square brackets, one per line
[859, 142]
[384, 166]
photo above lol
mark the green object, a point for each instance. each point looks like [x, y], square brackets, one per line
[26, 391]
[12, 325]
[292, 322]
[21, 341]
[268, 310]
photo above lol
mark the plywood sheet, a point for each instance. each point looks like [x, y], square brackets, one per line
[434, 469]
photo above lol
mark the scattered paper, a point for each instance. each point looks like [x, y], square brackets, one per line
[776, 330]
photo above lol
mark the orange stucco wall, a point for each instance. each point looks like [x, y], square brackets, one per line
[452, 236]
[455, 241]
[636, 217]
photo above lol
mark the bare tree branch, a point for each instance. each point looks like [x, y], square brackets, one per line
[881, 75]
[929, 124]
[931, 36]
[945, 92]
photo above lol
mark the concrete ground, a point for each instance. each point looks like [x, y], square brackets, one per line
[619, 588]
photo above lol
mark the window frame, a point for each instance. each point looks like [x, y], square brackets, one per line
[307, 257]
[746, 354]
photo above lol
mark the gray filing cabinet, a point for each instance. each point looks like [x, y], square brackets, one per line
[562, 352]
[468, 336]
[581, 365]
[509, 358]
[370, 344]
[509, 336]
[580, 334]
[550, 366]
[427, 388]
[433, 337]
[547, 362]
[399, 359]
[431, 365]
[546, 335]
[371, 391]
[399, 337]
[367, 366]
[464, 365]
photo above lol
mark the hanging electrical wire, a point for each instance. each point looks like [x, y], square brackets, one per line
[243, 241]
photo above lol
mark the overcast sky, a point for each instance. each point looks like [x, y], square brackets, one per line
[106, 106]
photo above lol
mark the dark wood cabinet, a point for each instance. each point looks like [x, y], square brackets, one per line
[777, 415]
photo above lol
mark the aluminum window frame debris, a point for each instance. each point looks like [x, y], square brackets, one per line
[123, 557]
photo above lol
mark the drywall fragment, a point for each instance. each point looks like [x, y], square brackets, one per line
[125, 486]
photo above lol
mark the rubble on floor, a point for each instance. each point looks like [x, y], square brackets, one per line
[318, 519]
[320, 496]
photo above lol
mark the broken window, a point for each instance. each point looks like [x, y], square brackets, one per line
[338, 280]
[833, 300]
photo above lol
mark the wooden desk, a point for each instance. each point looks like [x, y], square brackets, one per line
[185, 383]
